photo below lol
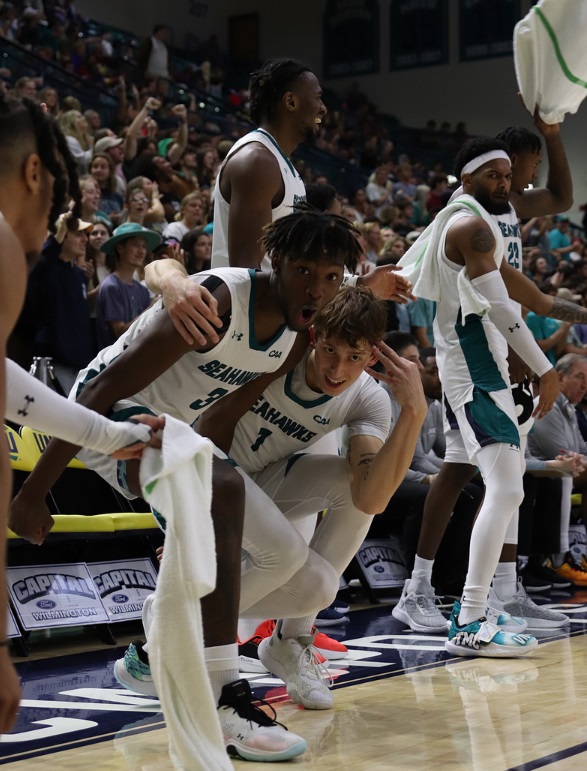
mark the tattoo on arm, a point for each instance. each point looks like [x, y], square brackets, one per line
[563, 310]
[482, 241]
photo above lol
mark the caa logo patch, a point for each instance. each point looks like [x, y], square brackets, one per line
[120, 598]
[45, 604]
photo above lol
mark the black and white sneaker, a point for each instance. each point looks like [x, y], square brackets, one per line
[249, 732]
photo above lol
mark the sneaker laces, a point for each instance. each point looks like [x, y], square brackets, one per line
[248, 707]
[422, 598]
[309, 660]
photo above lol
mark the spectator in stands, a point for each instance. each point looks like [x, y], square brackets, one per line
[557, 432]
[379, 192]
[197, 248]
[90, 197]
[50, 98]
[154, 218]
[172, 188]
[393, 249]
[25, 87]
[93, 120]
[112, 147]
[559, 238]
[538, 268]
[360, 204]
[422, 314]
[192, 214]
[102, 169]
[188, 167]
[80, 143]
[137, 207]
[120, 296]
[153, 54]
[405, 184]
[438, 195]
[56, 312]
[207, 163]
[373, 242]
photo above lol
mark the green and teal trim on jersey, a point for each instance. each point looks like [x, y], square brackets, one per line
[292, 168]
[482, 367]
[307, 403]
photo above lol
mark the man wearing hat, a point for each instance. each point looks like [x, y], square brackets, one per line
[121, 298]
[55, 320]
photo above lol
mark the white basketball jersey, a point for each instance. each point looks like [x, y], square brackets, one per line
[198, 379]
[289, 417]
[469, 354]
[294, 192]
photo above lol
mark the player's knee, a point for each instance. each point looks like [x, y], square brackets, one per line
[320, 584]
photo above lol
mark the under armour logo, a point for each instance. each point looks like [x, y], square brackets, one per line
[238, 335]
[516, 326]
[28, 400]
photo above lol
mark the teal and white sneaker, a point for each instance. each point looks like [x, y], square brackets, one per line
[133, 671]
[482, 638]
[498, 615]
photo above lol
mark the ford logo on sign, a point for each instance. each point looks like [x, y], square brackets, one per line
[120, 598]
[379, 569]
[46, 604]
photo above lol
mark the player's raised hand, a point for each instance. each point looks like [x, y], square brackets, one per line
[385, 283]
[402, 377]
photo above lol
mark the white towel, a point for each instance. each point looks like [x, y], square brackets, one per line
[420, 263]
[550, 57]
[177, 482]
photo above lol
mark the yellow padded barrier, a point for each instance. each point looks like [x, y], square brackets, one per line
[37, 441]
[576, 499]
[101, 523]
[21, 459]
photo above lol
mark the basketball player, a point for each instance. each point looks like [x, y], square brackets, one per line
[328, 389]
[151, 369]
[258, 184]
[472, 361]
[417, 605]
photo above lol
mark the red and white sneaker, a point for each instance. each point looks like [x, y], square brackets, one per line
[328, 646]
[325, 648]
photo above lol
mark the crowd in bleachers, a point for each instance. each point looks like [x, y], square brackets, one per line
[155, 166]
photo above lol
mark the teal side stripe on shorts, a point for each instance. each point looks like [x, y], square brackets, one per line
[482, 367]
[490, 423]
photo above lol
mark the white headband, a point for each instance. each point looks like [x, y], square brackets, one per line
[480, 160]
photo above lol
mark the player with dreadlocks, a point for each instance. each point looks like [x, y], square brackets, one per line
[152, 369]
[37, 177]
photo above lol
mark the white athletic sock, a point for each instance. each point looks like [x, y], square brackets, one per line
[505, 581]
[247, 628]
[296, 627]
[422, 572]
[473, 604]
[222, 666]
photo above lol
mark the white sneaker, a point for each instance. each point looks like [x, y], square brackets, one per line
[249, 732]
[536, 616]
[293, 660]
[498, 615]
[418, 609]
[133, 671]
